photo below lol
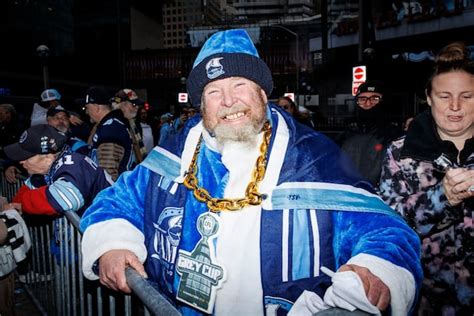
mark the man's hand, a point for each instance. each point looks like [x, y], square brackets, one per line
[13, 205]
[11, 174]
[456, 183]
[75, 120]
[375, 290]
[112, 266]
[3, 232]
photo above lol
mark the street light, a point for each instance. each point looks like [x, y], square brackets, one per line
[43, 54]
[297, 62]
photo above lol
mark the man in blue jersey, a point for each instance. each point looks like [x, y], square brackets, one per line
[111, 141]
[247, 212]
[58, 118]
[69, 181]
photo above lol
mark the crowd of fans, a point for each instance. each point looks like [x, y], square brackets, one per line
[65, 159]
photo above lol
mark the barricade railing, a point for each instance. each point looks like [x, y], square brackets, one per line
[53, 276]
[7, 189]
[152, 299]
[52, 273]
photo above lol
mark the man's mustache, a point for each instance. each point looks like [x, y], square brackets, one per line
[232, 110]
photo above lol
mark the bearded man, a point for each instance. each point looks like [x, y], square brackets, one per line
[247, 212]
[127, 100]
[59, 118]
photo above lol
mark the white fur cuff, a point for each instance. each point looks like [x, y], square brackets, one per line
[399, 280]
[108, 235]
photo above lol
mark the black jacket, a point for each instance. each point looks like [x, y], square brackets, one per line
[365, 140]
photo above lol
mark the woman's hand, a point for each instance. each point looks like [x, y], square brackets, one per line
[457, 183]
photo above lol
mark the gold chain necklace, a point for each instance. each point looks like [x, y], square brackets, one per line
[252, 197]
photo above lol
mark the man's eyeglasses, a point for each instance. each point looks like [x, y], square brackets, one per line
[373, 99]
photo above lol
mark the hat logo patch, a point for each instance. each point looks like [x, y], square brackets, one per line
[23, 137]
[371, 89]
[44, 144]
[214, 68]
[52, 144]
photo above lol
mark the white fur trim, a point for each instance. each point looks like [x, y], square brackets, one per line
[189, 147]
[240, 166]
[108, 235]
[210, 141]
[275, 162]
[167, 154]
[399, 280]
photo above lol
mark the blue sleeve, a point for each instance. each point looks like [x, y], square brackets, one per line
[74, 183]
[79, 146]
[383, 236]
[125, 199]
[164, 132]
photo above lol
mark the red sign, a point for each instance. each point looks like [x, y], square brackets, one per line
[355, 86]
[182, 97]
[359, 74]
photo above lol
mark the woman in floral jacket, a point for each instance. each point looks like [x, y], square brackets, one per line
[428, 177]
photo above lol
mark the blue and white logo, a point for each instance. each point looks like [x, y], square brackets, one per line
[214, 68]
[167, 234]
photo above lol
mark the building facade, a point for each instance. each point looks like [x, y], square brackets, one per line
[180, 15]
[250, 10]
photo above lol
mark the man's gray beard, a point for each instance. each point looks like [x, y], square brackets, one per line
[131, 115]
[244, 134]
[62, 128]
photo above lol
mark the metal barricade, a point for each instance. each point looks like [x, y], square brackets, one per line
[52, 272]
[54, 280]
[8, 190]
[36, 272]
[152, 299]
[53, 276]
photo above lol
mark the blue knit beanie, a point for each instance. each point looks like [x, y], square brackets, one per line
[227, 54]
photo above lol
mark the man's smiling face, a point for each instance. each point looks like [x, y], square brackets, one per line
[233, 109]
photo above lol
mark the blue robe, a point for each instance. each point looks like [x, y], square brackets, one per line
[311, 196]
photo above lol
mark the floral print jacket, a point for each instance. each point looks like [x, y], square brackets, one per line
[412, 185]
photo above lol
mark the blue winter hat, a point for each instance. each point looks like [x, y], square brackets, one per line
[227, 54]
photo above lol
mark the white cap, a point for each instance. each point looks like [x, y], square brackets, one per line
[166, 116]
[303, 109]
[50, 95]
